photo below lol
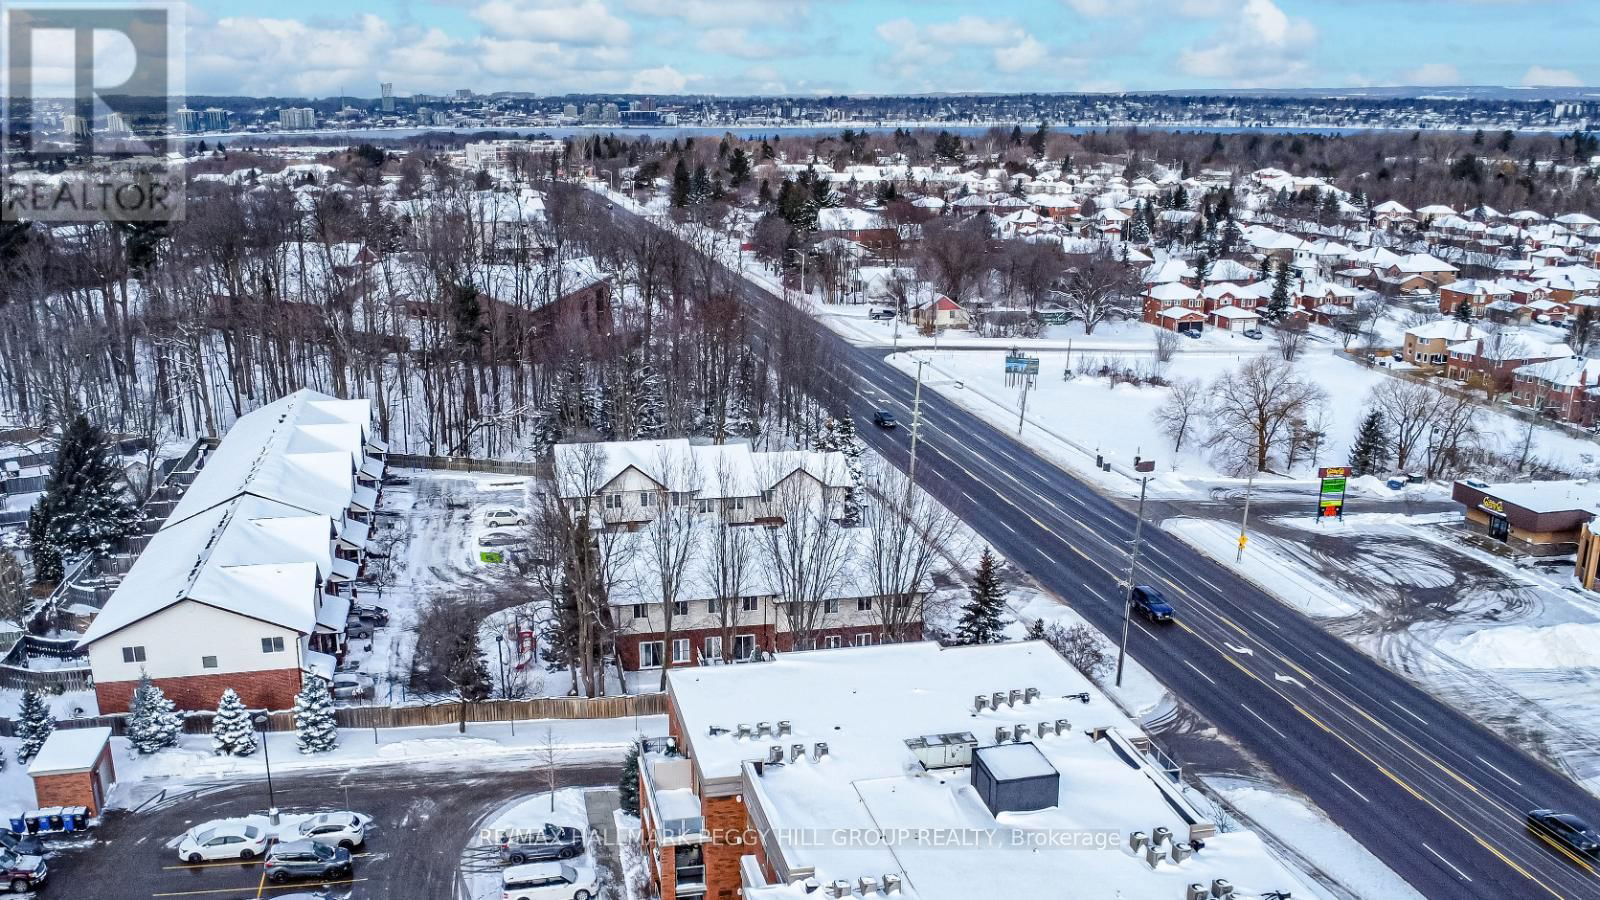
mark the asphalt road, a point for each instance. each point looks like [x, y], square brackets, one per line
[425, 816]
[1434, 795]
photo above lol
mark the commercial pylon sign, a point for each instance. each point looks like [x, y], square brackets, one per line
[1330, 497]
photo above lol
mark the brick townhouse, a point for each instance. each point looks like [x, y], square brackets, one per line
[1561, 389]
[1492, 361]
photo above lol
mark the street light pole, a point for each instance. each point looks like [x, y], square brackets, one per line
[1245, 519]
[1133, 563]
[261, 722]
[916, 426]
[500, 653]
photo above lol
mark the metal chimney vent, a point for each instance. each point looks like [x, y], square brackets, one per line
[1002, 734]
[867, 884]
[784, 728]
[1221, 888]
[818, 751]
[1030, 695]
[775, 754]
[1020, 733]
[763, 729]
[980, 703]
[1046, 728]
[744, 730]
[796, 751]
[1063, 726]
[1013, 697]
[891, 884]
[1161, 835]
[841, 888]
[1182, 851]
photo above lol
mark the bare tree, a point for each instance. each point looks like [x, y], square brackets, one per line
[1098, 287]
[1185, 401]
[954, 256]
[807, 555]
[1291, 337]
[593, 561]
[905, 532]
[730, 571]
[1253, 408]
[1409, 410]
[672, 537]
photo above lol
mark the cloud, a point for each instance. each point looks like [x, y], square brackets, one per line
[1262, 45]
[734, 42]
[1543, 77]
[581, 22]
[1431, 73]
[722, 13]
[1027, 55]
[974, 31]
[660, 80]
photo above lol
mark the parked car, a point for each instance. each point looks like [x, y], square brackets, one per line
[547, 881]
[22, 872]
[1397, 356]
[307, 859]
[883, 419]
[336, 829]
[222, 840]
[1565, 830]
[396, 480]
[352, 686]
[1148, 602]
[1191, 333]
[881, 315]
[537, 845]
[1253, 334]
[368, 613]
[502, 518]
[21, 844]
[501, 539]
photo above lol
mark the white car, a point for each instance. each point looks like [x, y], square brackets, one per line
[548, 881]
[352, 686]
[501, 518]
[336, 829]
[222, 840]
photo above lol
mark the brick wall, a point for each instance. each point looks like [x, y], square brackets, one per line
[266, 689]
[73, 789]
[768, 637]
[725, 818]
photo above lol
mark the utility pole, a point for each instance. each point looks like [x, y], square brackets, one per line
[1245, 519]
[1022, 414]
[1133, 563]
[916, 425]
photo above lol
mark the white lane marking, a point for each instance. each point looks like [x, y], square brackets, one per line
[1146, 631]
[1200, 673]
[1350, 786]
[1246, 651]
[1332, 663]
[1500, 771]
[1396, 705]
[1266, 620]
[1287, 679]
[1264, 722]
[1453, 866]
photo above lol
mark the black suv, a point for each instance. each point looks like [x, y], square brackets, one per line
[307, 859]
[1148, 602]
[550, 842]
[883, 419]
[1567, 830]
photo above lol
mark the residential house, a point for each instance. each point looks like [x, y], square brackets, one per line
[940, 312]
[1561, 389]
[1429, 344]
[1491, 361]
[1476, 293]
[864, 226]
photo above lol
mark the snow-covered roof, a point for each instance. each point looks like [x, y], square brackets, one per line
[866, 702]
[69, 750]
[1391, 208]
[1234, 313]
[1166, 271]
[1172, 292]
[708, 471]
[1445, 330]
[1546, 496]
[1418, 263]
[1570, 372]
[845, 218]
[1230, 270]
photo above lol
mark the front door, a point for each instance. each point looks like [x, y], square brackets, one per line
[1499, 528]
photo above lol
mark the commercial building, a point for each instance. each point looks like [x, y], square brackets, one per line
[297, 118]
[258, 557]
[927, 773]
[1538, 517]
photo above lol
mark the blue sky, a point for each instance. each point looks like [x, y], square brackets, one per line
[316, 47]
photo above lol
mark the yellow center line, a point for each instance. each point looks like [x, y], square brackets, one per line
[269, 887]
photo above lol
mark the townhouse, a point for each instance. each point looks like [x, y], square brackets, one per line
[1429, 344]
[1490, 362]
[1561, 389]
[247, 584]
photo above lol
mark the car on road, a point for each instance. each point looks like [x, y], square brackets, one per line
[881, 315]
[307, 859]
[884, 419]
[1149, 602]
[518, 846]
[548, 881]
[21, 872]
[352, 686]
[1566, 830]
[222, 840]
[1253, 334]
[502, 518]
[336, 829]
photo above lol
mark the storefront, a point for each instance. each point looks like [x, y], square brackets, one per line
[1538, 517]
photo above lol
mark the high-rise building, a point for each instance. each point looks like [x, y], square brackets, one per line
[387, 90]
[297, 118]
[74, 126]
[190, 119]
[591, 112]
[646, 104]
[217, 119]
[463, 94]
[611, 113]
[570, 111]
[117, 123]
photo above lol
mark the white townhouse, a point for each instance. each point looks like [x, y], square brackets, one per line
[246, 584]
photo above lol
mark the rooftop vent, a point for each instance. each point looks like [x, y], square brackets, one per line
[818, 751]
[1013, 697]
[1160, 836]
[1221, 888]
[1182, 851]
[1082, 697]
[1020, 733]
[1002, 734]
[867, 884]
[1030, 695]
[1196, 892]
[1063, 726]
[1046, 728]
[980, 703]
[796, 751]
[763, 729]
[891, 884]
[744, 730]
[840, 888]
[784, 727]
[718, 730]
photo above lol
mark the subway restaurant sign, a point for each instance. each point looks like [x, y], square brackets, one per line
[1330, 499]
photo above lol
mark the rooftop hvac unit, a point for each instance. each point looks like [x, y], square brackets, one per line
[1030, 695]
[867, 884]
[1196, 892]
[1161, 835]
[943, 751]
[775, 754]
[1182, 851]
[784, 728]
[796, 751]
[841, 888]
[891, 884]
[1221, 888]
[980, 703]
[818, 751]
[1019, 733]
[1002, 734]
[1013, 697]
[744, 730]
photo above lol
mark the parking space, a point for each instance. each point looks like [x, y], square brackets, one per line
[249, 879]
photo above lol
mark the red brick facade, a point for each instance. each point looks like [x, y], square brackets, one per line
[86, 789]
[266, 689]
[767, 637]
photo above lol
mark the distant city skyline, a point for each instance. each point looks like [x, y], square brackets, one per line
[812, 47]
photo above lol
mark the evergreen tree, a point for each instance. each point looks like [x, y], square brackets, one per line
[83, 509]
[1464, 312]
[739, 167]
[1370, 452]
[699, 186]
[34, 724]
[314, 725]
[680, 184]
[232, 732]
[466, 316]
[153, 720]
[764, 195]
[1278, 306]
[1036, 141]
[982, 618]
[644, 388]
[628, 784]
[1138, 228]
[1036, 630]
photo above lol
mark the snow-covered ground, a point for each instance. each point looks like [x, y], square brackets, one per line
[565, 807]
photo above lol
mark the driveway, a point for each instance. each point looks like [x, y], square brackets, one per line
[425, 815]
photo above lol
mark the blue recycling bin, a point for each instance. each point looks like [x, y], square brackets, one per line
[18, 825]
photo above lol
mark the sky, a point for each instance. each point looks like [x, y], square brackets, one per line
[813, 47]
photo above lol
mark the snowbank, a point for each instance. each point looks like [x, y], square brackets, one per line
[1573, 645]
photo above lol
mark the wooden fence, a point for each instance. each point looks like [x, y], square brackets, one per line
[443, 713]
[535, 469]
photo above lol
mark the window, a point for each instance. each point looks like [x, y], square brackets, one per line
[749, 604]
[272, 645]
[832, 641]
[647, 499]
[711, 606]
[613, 501]
[680, 650]
[863, 603]
[678, 497]
[680, 607]
[133, 654]
[830, 605]
[702, 505]
[863, 640]
[713, 648]
[650, 654]
[208, 662]
[744, 646]
[639, 611]
[738, 504]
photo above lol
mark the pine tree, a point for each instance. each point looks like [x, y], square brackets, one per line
[83, 509]
[34, 724]
[232, 732]
[1278, 307]
[1370, 452]
[1138, 228]
[1464, 312]
[851, 445]
[628, 784]
[739, 167]
[982, 617]
[1036, 630]
[314, 725]
[153, 720]
[680, 184]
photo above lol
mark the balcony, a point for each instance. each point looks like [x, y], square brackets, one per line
[672, 804]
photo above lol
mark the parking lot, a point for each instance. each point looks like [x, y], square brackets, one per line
[425, 817]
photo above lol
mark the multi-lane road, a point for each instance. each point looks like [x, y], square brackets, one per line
[1434, 795]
